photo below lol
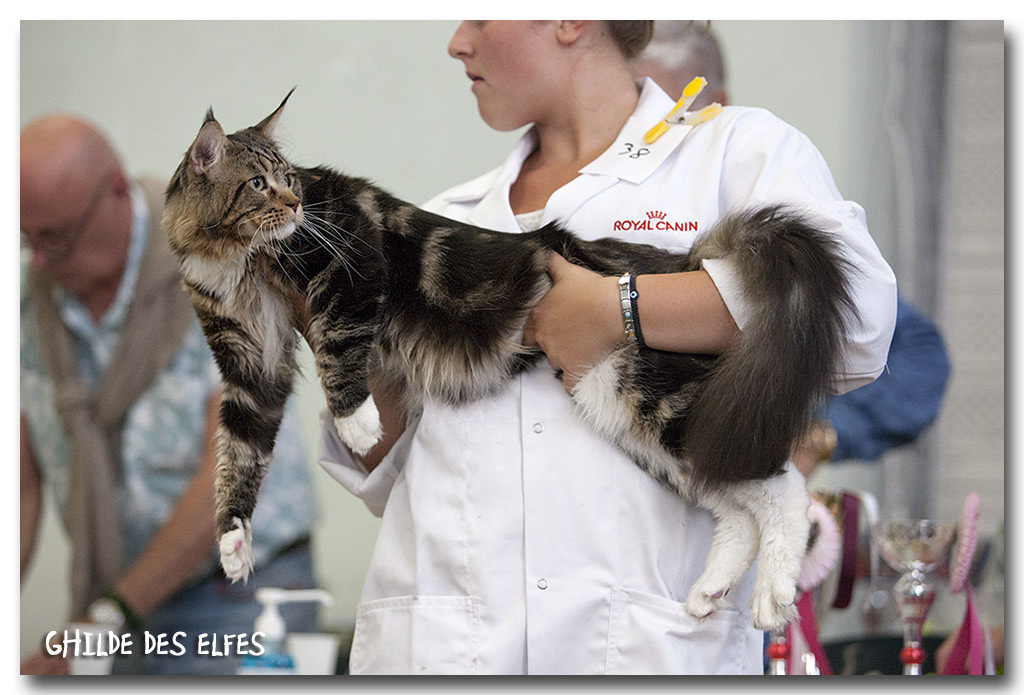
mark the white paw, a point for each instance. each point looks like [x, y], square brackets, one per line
[772, 605]
[236, 551]
[701, 603]
[362, 429]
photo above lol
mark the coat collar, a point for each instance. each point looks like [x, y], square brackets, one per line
[490, 191]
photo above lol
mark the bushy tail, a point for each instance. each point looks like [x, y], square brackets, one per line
[760, 396]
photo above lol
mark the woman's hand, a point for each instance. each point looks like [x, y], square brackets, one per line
[578, 322]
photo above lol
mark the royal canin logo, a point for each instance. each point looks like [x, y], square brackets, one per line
[655, 220]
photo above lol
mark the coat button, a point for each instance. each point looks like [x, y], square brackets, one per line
[542, 584]
[538, 427]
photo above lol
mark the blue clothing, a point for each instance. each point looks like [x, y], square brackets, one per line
[216, 607]
[896, 407]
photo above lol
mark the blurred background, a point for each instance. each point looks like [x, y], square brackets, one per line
[909, 116]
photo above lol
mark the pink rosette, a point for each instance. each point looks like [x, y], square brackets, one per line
[822, 556]
[966, 542]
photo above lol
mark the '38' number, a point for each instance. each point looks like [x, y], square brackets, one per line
[634, 152]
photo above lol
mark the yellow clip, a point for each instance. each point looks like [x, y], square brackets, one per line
[690, 93]
[704, 114]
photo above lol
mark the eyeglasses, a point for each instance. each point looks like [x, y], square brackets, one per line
[59, 242]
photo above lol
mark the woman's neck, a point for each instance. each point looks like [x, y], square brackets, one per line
[582, 127]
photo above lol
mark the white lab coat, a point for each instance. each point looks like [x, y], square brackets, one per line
[514, 539]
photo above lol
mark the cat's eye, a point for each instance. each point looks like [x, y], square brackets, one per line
[258, 183]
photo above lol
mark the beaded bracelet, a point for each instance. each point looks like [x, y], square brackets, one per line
[630, 318]
[633, 299]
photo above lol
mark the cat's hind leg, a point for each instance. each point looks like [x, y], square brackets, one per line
[779, 506]
[601, 402]
[734, 547]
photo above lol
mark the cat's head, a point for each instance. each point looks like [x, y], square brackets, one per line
[232, 195]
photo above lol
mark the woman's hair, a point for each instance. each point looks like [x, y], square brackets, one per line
[631, 36]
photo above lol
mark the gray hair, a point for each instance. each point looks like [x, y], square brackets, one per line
[687, 42]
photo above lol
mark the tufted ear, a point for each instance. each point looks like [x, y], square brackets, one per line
[267, 125]
[208, 147]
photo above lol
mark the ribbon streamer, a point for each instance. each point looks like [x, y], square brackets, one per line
[848, 567]
[808, 625]
[968, 651]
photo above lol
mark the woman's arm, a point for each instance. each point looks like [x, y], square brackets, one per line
[579, 321]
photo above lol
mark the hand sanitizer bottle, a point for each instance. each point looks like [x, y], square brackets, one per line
[275, 660]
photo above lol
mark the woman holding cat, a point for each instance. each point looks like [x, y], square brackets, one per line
[514, 539]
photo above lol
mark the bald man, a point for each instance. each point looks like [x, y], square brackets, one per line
[119, 409]
[75, 209]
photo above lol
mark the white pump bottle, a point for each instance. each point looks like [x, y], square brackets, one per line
[275, 660]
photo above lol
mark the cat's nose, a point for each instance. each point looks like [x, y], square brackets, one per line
[291, 201]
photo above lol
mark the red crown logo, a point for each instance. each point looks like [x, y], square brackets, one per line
[655, 215]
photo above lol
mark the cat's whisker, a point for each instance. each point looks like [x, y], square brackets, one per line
[344, 236]
[346, 263]
[329, 235]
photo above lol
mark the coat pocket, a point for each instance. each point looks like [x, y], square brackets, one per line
[410, 635]
[656, 636]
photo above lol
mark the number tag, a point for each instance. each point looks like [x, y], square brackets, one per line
[630, 158]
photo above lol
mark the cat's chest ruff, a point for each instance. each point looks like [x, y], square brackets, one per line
[246, 296]
[266, 317]
[219, 277]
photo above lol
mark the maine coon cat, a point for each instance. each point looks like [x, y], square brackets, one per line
[438, 307]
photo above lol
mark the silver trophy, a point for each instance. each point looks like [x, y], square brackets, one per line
[913, 548]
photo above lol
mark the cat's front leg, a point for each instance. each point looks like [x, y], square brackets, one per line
[251, 409]
[361, 429]
[344, 321]
[341, 352]
[235, 544]
[241, 467]
[343, 375]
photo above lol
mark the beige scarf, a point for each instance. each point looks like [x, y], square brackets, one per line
[155, 325]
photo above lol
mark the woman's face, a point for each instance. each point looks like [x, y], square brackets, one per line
[512, 66]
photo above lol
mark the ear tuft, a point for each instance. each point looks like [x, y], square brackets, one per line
[267, 125]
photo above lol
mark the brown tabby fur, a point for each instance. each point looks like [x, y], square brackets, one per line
[438, 307]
